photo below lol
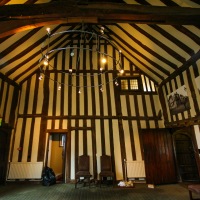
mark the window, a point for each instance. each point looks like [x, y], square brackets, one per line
[137, 83]
[129, 84]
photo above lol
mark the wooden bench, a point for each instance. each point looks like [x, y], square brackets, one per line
[194, 189]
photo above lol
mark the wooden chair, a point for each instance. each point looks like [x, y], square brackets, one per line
[83, 169]
[106, 168]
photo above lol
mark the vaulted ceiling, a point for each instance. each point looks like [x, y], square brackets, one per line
[157, 36]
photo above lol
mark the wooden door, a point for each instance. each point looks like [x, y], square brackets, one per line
[4, 151]
[158, 156]
[185, 155]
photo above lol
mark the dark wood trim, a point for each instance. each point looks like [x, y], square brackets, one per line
[162, 102]
[145, 110]
[94, 149]
[138, 53]
[52, 131]
[112, 151]
[195, 68]
[85, 140]
[177, 42]
[89, 117]
[193, 94]
[188, 33]
[15, 17]
[183, 123]
[153, 108]
[13, 108]
[180, 70]
[43, 125]
[120, 125]
[170, 51]
[150, 51]
[26, 100]
[6, 100]
[6, 79]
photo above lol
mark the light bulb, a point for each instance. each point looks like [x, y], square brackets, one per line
[48, 30]
[103, 60]
[40, 77]
[121, 71]
[45, 62]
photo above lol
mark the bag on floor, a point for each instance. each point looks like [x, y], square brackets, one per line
[48, 177]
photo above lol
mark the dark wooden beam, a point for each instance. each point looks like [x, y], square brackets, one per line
[5, 78]
[179, 70]
[15, 18]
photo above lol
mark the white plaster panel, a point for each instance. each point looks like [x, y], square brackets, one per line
[26, 140]
[36, 137]
[117, 151]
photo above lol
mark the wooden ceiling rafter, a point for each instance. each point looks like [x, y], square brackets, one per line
[169, 3]
[178, 71]
[18, 42]
[150, 51]
[26, 16]
[189, 34]
[24, 52]
[34, 65]
[8, 80]
[10, 72]
[138, 60]
[170, 51]
[171, 38]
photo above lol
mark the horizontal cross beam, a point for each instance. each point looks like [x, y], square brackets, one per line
[15, 18]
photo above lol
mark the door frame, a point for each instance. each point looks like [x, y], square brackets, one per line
[65, 164]
[5, 165]
[189, 131]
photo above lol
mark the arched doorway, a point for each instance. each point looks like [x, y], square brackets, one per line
[185, 157]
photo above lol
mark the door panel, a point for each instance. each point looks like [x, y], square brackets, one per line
[186, 160]
[4, 150]
[158, 156]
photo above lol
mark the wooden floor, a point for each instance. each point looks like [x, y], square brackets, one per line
[59, 191]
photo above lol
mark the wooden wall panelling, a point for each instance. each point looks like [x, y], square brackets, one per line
[192, 90]
[43, 125]
[137, 115]
[195, 69]
[121, 131]
[145, 109]
[14, 106]
[178, 85]
[133, 155]
[4, 89]
[189, 114]
[163, 103]
[112, 135]
[153, 107]
[27, 93]
[6, 108]
[1, 91]
[94, 150]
